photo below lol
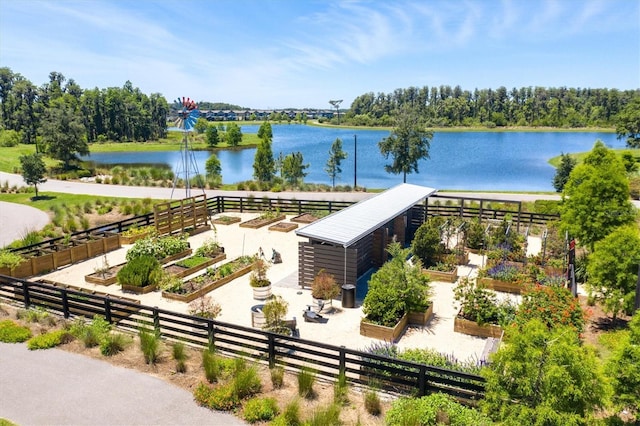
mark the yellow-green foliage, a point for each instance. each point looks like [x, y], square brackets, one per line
[49, 340]
[11, 332]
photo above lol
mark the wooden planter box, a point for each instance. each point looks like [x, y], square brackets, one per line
[130, 239]
[472, 328]
[79, 253]
[95, 248]
[207, 288]
[497, 285]
[111, 278]
[62, 257]
[259, 223]
[447, 277]
[230, 221]
[304, 218]
[181, 272]
[139, 290]
[389, 334]
[420, 318]
[283, 227]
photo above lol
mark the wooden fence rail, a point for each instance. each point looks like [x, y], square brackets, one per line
[294, 353]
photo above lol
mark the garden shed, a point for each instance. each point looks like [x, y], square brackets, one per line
[349, 242]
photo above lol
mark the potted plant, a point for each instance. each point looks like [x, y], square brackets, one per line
[140, 275]
[204, 307]
[323, 290]
[274, 312]
[259, 282]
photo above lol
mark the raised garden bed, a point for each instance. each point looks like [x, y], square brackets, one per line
[392, 334]
[139, 290]
[226, 220]
[259, 222]
[132, 238]
[176, 256]
[199, 286]
[472, 328]
[447, 277]
[283, 227]
[304, 218]
[110, 276]
[498, 285]
[182, 271]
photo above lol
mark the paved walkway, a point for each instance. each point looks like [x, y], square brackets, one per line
[16, 220]
[54, 387]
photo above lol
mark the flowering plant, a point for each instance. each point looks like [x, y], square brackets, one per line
[553, 305]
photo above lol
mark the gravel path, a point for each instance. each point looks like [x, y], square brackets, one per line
[54, 387]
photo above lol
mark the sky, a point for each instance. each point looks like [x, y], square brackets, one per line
[265, 54]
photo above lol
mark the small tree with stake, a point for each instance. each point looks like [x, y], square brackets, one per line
[33, 170]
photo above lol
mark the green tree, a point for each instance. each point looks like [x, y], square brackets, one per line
[427, 243]
[63, 133]
[336, 155]
[201, 125]
[211, 136]
[33, 170]
[624, 368]
[234, 134]
[629, 162]
[213, 170]
[628, 123]
[265, 132]
[613, 269]
[408, 143]
[263, 163]
[596, 197]
[293, 168]
[543, 376]
[567, 163]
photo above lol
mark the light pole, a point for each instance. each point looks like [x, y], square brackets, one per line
[355, 162]
[336, 104]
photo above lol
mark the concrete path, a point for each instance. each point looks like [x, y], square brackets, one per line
[54, 387]
[16, 220]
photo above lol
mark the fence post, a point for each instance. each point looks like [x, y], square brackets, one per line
[422, 381]
[211, 335]
[342, 366]
[156, 320]
[25, 294]
[107, 309]
[299, 207]
[272, 350]
[330, 207]
[65, 302]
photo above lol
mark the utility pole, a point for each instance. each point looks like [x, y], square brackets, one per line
[355, 162]
[336, 105]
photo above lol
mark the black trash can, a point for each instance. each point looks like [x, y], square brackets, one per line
[348, 296]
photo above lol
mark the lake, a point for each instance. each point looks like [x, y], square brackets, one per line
[499, 161]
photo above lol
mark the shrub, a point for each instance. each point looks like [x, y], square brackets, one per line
[427, 243]
[290, 416]
[372, 402]
[624, 367]
[306, 380]
[218, 398]
[49, 340]
[247, 383]
[157, 247]
[325, 416]
[149, 345]
[553, 305]
[433, 409]
[10, 259]
[341, 389]
[140, 272]
[90, 334]
[481, 305]
[10, 332]
[204, 307]
[211, 365]
[324, 286]
[38, 315]
[114, 343]
[258, 276]
[277, 376]
[274, 311]
[260, 409]
[180, 355]
[209, 248]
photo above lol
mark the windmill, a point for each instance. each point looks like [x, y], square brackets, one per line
[187, 116]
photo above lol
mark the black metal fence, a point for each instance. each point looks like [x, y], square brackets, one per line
[294, 353]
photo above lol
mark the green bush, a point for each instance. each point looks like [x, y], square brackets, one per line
[624, 367]
[306, 380]
[192, 261]
[38, 315]
[247, 383]
[90, 334]
[220, 397]
[325, 416]
[277, 376]
[260, 409]
[211, 365]
[427, 243]
[341, 389]
[431, 410]
[140, 272]
[372, 402]
[49, 340]
[158, 247]
[290, 416]
[114, 343]
[11, 332]
[179, 353]
[149, 345]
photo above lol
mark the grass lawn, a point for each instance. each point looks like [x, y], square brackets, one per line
[555, 161]
[48, 199]
[10, 157]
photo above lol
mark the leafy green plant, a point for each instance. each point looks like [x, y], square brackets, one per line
[259, 274]
[211, 365]
[150, 345]
[209, 248]
[553, 305]
[324, 286]
[260, 409]
[11, 332]
[274, 311]
[306, 380]
[624, 368]
[9, 259]
[37, 314]
[246, 382]
[427, 243]
[49, 340]
[140, 271]
[290, 416]
[481, 305]
[158, 247]
[114, 343]
[170, 282]
[433, 409]
[221, 397]
[192, 261]
[90, 334]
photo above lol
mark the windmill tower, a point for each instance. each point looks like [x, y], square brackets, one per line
[187, 116]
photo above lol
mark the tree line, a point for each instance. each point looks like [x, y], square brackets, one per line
[115, 113]
[445, 106]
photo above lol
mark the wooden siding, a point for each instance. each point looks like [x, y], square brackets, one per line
[314, 257]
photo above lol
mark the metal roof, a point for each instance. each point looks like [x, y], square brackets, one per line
[349, 225]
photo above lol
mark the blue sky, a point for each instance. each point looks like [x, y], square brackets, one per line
[302, 53]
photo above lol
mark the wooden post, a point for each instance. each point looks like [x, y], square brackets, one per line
[422, 381]
[342, 360]
[25, 294]
[271, 350]
[156, 320]
[65, 302]
[211, 335]
[107, 309]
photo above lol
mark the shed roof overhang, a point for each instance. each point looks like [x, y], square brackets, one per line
[349, 225]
